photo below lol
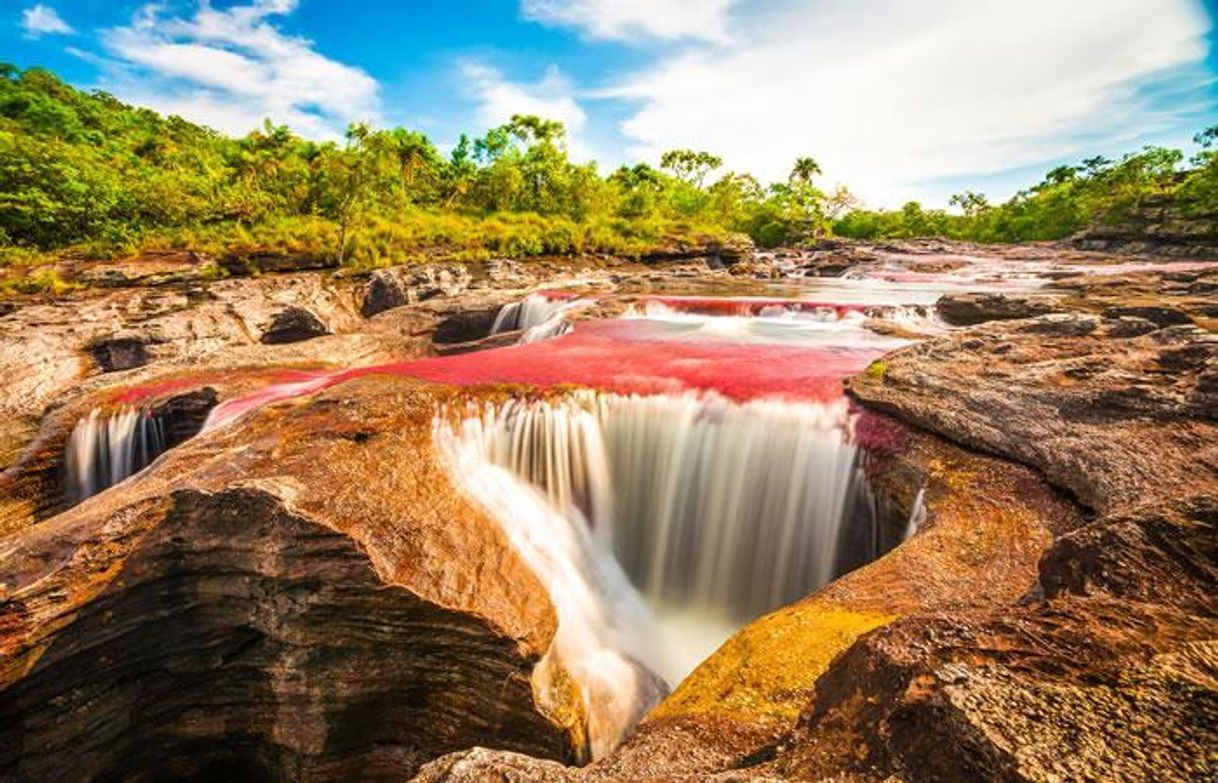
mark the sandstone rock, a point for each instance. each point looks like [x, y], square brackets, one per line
[970, 309]
[402, 285]
[1161, 316]
[1070, 395]
[119, 353]
[294, 324]
[304, 596]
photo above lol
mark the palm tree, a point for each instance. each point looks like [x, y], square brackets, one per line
[804, 170]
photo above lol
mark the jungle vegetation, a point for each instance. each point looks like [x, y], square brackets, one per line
[84, 173]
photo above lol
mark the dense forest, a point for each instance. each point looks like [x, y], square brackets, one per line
[86, 173]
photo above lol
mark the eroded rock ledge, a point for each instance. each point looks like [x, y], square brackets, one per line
[1028, 632]
[302, 598]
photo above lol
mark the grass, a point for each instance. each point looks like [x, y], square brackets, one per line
[46, 281]
[413, 237]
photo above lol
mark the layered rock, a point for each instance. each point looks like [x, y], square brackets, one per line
[1018, 636]
[304, 596]
[1116, 410]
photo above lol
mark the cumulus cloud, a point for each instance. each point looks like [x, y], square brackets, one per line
[624, 20]
[890, 96]
[41, 19]
[499, 98]
[231, 68]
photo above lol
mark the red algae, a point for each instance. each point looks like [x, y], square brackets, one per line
[623, 356]
[135, 395]
[748, 305]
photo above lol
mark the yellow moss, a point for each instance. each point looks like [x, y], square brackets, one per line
[766, 671]
[877, 369]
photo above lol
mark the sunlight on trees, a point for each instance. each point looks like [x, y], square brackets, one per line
[86, 171]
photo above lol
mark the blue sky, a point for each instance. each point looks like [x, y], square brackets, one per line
[898, 100]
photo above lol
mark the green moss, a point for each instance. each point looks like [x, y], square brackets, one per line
[878, 369]
[765, 672]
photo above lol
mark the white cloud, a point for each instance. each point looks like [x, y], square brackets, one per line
[624, 20]
[231, 68]
[890, 95]
[41, 19]
[551, 98]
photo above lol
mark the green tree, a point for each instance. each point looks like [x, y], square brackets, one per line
[690, 166]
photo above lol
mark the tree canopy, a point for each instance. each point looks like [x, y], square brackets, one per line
[84, 170]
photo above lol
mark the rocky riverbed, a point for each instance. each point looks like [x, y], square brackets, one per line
[300, 587]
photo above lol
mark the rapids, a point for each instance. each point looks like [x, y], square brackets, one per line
[538, 316]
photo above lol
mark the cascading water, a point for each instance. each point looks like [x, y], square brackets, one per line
[539, 315]
[604, 628]
[106, 447]
[718, 511]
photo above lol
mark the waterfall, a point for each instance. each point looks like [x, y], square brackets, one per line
[721, 508]
[725, 506]
[106, 447]
[604, 628]
[540, 316]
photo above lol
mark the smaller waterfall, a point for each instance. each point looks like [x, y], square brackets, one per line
[106, 447]
[539, 315]
[917, 515]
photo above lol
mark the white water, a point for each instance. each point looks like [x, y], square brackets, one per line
[107, 447]
[605, 631]
[717, 511]
[539, 316]
[778, 324]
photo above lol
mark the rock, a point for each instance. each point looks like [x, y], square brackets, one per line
[119, 353]
[480, 765]
[303, 596]
[466, 325]
[970, 309]
[1162, 554]
[1070, 395]
[403, 285]
[1161, 316]
[294, 324]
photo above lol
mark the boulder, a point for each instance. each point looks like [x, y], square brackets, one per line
[403, 285]
[970, 309]
[292, 325]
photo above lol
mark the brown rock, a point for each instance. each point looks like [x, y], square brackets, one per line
[292, 325]
[403, 285]
[301, 596]
[970, 309]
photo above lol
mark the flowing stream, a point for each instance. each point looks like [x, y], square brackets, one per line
[538, 316]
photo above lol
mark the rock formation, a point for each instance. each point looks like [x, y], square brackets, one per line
[303, 597]
[304, 593]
